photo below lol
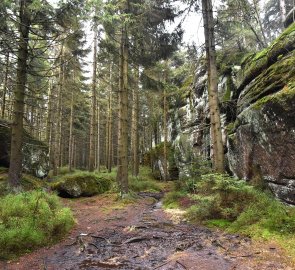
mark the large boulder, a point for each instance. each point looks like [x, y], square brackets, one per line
[35, 152]
[261, 142]
[81, 184]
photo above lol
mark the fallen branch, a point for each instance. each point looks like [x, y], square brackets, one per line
[246, 255]
[159, 266]
[92, 244]
[134, 240]
[181, 264]
[100, 237]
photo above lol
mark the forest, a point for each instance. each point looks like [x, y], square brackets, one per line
[128, 142]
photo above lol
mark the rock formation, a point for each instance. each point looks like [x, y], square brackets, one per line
[258, 105]
[35, 152]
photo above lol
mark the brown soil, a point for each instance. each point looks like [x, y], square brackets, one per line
[141, 235]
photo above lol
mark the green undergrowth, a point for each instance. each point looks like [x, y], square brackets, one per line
[221, 201]
[62, 171]
[80, 183]
[30, 220]
[144, 181]
[28, 182]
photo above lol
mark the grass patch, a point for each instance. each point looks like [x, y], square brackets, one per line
[172, 199]
[218, 223]
[30, 220]
[62, 171]
[224, 202]
[139, 183]
[145, 181]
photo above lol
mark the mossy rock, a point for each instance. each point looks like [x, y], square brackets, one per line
[256, 64]
[279, 77]
[81, 185]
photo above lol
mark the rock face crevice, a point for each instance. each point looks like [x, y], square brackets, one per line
[260, 140]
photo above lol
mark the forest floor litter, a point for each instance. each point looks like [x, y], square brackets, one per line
[141, 235]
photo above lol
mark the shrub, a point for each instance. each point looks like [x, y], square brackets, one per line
[171, 199]
[137, 184]
[29, 220]
[207, 208]
[81, 184]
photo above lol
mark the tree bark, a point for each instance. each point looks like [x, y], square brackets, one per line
[135, 135]
[5, 85]
[122, 173]
[58, 124]
[283, 11]
[98, 159]
[93, 108]
[71, 133]
[109, 125]
[16, 156]
[165, 128]
[215, 122]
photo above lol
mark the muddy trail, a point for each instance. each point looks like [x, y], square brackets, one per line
[141, 235]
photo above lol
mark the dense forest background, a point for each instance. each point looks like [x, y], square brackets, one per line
[140, 71]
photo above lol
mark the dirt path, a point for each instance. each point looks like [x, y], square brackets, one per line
[110, 235]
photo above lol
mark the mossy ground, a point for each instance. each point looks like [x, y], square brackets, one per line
[224, 202]
[30, 220]
[28, 182]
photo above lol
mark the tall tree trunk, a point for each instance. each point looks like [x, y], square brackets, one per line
[49, 113]
[122, 173]
[109, 123]
[93, 109]
[58, 124]
[165, 129]
[134, 134]
[15, 167]
[71, 133]
[215, 123]
[5, 85]
[283, 11]
[98, 159]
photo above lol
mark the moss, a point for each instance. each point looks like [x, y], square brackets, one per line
[28, 183]
[30, 220]
[277, 77]
[231, 127]
[230, 88]
[281, 97]
[256, 64]
[218, 223]
[81, 184]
